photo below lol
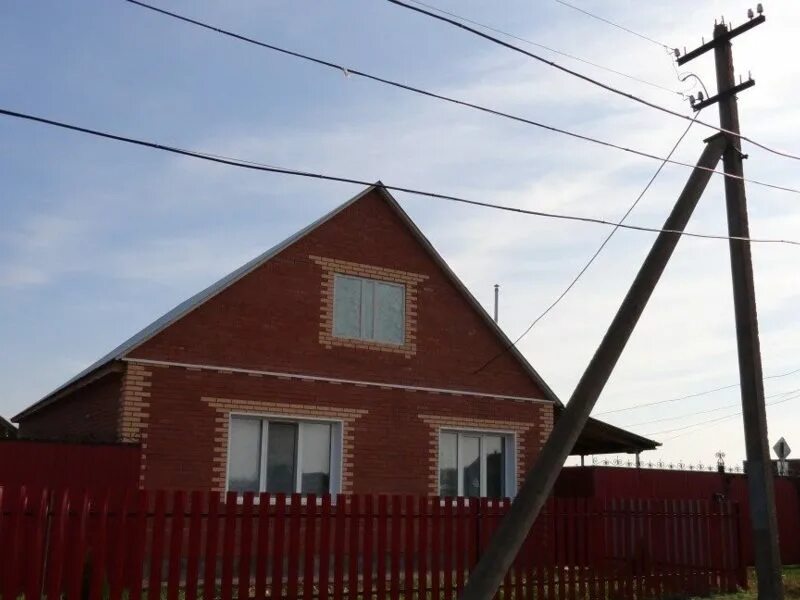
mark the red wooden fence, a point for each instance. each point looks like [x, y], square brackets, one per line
[40, 464]
[205, 545]
[608, 482]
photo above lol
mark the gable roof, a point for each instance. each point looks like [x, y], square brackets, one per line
[190, 304]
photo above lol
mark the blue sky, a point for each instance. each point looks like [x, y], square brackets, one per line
[98, 239]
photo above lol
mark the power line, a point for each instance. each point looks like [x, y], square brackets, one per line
[689, 396]
[716, 420]
[588, 79]
[311, 175]
[597, 252]
[703, 412]
[613, 24]
[349, 71]
[549, 49]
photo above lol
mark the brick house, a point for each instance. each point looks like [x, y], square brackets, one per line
[343, 359]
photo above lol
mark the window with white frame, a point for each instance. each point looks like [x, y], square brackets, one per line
[281, 456]
[368, 309]
[474, 463]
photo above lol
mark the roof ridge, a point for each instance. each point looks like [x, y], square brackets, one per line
[188, 305]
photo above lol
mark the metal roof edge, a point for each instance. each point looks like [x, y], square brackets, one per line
[215, 288]
[512, 349]
[193, 302]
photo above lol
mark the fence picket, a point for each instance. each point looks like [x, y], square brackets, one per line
[137, 557]
[78, 552]
[193, 550]
[436, 506]
[394, 555]
[309, 555]
[571, 526]
[367, 561]
[447, 549]
[157, 549]
[262, 544]
[57, 551]
[228, 544]
[324, 546]
[278, 534]
[338, 547]
[35, 563]
[352, 555]
[539, 548]
[507, 583]
[408, 553]
[380, 549]
[212, 541]
[98, 551]
[460, 544]
[245, 546]
[17, 506]
[552, 547]
[637, 554]
[422, 547]
[175, 546]
[293, 554]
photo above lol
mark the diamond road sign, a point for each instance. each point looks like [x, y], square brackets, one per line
[782, 449]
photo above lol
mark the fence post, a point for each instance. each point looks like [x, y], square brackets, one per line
[47, 527]
[741, 568]
[477, 521]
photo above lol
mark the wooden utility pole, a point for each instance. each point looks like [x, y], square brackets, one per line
[510, 535]
[759, 467]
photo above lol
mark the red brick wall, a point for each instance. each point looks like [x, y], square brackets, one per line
[271, 318]
[277, 319]
[90, 414]
[391, 447]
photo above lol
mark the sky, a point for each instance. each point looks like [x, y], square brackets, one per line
[97, 239]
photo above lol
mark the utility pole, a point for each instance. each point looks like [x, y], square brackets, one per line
[513, 530]
[759, 467]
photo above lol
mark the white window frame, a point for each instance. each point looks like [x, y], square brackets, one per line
[362, 337]
[336, 453]
[509, 468]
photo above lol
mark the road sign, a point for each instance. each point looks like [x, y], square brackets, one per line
[782, 449]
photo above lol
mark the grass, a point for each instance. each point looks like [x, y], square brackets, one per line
[791, 585]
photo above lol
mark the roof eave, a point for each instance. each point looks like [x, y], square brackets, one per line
[103, 370]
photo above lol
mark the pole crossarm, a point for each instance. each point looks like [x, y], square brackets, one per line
[513, 529]
[698, 106]
[718, 40]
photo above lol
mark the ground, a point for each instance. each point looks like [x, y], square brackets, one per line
[791, 582]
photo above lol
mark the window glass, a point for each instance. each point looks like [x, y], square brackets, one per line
[389, 314]
[316, 453]
[244, 471]
[367, 309]
[471, 464]
[347, 307]
[448, 464]
[495, 465]
[281, 457]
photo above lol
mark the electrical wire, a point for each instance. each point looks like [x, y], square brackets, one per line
[613, 24]
[549, 49]
[417, 192]
[597, 252]
[704, 412]
[586, 78]
[348, 71]
[689, 396]
[716, 420]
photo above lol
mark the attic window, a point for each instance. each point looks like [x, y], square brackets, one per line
[368, 309]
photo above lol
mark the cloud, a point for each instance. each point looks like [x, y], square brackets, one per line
[184, 223]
